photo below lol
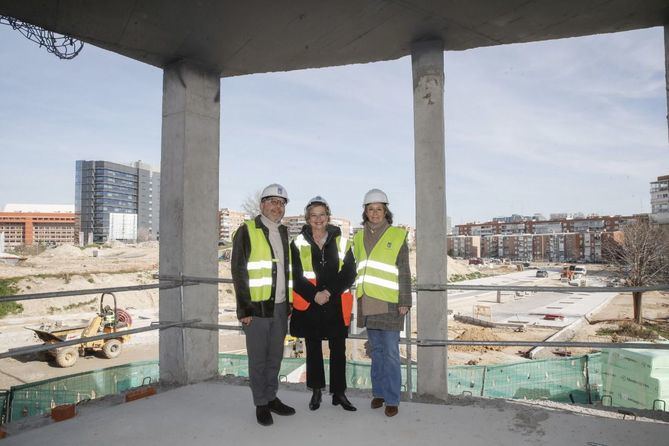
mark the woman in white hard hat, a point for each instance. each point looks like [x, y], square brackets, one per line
[323, 270]
[383, 291]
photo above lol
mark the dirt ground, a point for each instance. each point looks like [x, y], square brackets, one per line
[655, 310]
[69, 268]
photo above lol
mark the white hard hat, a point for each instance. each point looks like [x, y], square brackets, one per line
[317, 199]
[375, 196]
[274, 190]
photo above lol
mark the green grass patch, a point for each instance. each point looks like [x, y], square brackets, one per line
[461, 277]
[7, 288]
[52, 310]
[628, 329]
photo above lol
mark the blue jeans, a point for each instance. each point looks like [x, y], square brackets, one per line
[386, 372]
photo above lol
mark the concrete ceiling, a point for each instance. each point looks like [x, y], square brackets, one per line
[254, 36]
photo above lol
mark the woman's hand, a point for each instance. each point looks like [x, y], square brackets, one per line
[322, 297]
[402, 310]
[246, 320]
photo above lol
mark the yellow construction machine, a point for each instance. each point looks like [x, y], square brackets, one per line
[108, 320]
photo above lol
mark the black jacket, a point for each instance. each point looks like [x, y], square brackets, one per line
[321, 321]
[241, 250]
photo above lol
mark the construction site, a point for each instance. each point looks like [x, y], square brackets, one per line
[140, 343]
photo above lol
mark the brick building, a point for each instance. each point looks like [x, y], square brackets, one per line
[463, 246]
[581, 225]
[562, 247]
[30, 228]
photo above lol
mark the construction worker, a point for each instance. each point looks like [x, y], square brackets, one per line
[383, 292]
[261, 275]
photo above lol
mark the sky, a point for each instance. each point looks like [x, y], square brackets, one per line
[570, 125]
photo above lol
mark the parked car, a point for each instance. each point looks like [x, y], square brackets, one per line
[542, 273]
[579, 269]
[476, 261]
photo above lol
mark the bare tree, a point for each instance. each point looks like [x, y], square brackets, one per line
[251, 204]
[641, 259]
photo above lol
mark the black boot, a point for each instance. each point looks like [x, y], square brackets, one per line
[316, 398]
[340, 398]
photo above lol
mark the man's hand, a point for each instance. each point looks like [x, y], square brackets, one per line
[246, 320]
[403, 310]
[322, 297]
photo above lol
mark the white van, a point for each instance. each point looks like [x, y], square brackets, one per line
[579, 269]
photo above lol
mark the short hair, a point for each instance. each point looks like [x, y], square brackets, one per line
[313, 205]
[389, 215]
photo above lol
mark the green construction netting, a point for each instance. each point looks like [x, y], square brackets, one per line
[237, 365]
[39, 397]
[561, 379]
[4, 398]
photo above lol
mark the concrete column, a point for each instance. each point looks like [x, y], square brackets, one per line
[427, 60]
[666, 66]
[188, 219]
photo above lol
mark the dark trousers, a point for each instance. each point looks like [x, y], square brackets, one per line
[316, 370]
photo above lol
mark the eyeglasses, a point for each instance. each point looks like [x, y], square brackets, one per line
[275, 202]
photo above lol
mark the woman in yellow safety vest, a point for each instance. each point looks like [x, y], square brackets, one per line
[383, 291]
[323, 270]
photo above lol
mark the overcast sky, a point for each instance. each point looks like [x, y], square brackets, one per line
[572, 125]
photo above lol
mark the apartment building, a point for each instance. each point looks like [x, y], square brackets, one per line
[560, 247]
[463, 246]
[116, 202]
[659, 200]
[37, 224]
[580, 225]
[228, 222]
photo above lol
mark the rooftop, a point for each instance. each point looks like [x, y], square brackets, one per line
[215, 413]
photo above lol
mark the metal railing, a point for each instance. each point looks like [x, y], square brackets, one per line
[180, 281]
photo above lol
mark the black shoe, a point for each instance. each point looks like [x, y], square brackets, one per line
[316, 399]
[345, 403]
[279, 408]
[264, 416]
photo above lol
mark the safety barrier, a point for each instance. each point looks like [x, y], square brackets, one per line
[575, 380]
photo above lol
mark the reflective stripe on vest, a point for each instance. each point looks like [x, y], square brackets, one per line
[260, 263]
[301, 304]
[378, 276]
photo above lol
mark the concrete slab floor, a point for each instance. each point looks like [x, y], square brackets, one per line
[216, 413]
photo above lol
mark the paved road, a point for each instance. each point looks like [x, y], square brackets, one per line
[529, 307]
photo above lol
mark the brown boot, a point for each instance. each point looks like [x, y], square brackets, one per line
[376, 403]
[391, 411]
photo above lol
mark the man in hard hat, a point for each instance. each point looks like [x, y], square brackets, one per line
[260, 272]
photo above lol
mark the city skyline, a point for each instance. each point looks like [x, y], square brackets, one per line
[592, 143]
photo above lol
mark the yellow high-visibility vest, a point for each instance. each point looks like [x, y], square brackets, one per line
[259, 265]
[378, 276]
